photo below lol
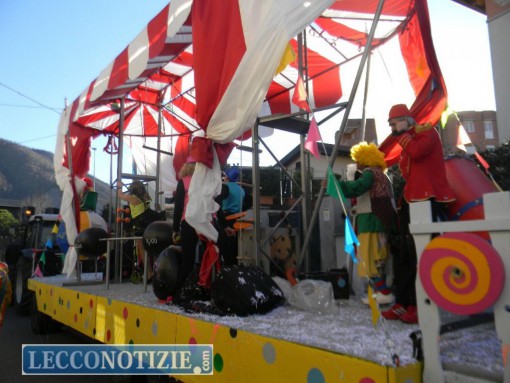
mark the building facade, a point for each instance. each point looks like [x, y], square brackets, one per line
[498, 24]
[481, 127]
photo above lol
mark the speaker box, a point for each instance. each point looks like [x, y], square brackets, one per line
[245, 290]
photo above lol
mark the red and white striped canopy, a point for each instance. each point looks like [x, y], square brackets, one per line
[211, 64]
[157, 68]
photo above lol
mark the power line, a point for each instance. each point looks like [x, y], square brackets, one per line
[37, 139]
[29, 98]
[26, 106]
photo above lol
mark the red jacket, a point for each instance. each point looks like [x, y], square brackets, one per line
[422, 165]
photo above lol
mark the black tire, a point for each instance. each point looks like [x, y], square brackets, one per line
[22, 295]
[40, 323]
[162, 379]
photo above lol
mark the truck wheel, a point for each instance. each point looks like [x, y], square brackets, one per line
[22, 295]
[40, 323]
[162, 379]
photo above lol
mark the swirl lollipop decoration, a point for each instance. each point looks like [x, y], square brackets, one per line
[462, 273]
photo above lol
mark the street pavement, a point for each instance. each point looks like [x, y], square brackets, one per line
[16, 332]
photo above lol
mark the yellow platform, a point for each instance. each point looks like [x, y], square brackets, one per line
[239, 356]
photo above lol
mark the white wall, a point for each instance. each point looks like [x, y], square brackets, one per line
[499, 33]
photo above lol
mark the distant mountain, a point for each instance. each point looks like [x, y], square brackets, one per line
[27, 175]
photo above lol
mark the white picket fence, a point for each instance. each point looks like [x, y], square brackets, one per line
[497, 223]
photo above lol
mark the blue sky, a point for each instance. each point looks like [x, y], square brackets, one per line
[53, 49]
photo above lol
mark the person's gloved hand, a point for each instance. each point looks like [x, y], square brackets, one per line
[176, 238]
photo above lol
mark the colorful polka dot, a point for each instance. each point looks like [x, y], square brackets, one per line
[197, 370]
[218, 362]
[91, 303]
[233, 333]
[367, 380]
[108, 335]
[192, 340]
[125, 313]
[315, 376]
[269, 353]
[154, 328]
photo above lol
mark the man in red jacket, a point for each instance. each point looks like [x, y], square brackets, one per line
[422, 167]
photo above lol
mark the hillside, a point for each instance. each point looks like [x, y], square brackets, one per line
[27, 175]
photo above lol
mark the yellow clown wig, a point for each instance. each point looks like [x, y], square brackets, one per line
[368, 155]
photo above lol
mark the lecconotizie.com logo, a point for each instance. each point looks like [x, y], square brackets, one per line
[102, 359]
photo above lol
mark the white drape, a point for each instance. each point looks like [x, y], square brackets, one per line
[268, 26]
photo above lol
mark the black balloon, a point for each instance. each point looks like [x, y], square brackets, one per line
[88, 242]
[157, 237]
[166, 272]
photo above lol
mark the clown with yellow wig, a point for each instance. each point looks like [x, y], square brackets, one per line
[374, 216]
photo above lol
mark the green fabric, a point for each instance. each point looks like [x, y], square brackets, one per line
[365, 222]
[89, 201]
[369, 223]
[353, 189]
[333, 188]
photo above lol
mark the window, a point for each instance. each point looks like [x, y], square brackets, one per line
[469, 125]
[489, 129]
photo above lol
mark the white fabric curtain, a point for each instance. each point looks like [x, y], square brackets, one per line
[268, 26]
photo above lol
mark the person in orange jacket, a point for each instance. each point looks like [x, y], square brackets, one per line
[422, 167]
[5, 290]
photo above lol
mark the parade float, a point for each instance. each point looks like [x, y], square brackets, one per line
[194, 81]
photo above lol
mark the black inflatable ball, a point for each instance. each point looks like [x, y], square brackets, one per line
[157, 237]
[166, 272]
[88, 243]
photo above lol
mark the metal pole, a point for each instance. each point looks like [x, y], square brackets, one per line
[107, 276]
[119, 178]
[94, 176]
[304, 171]
[332, 159]
[365, 95]
[304, 201]
[256, 190]
[158, 160]
[110, 207]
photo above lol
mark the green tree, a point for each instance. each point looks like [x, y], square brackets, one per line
[7, 220]
[499, 164]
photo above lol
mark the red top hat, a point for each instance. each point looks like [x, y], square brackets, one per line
[399, 110]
